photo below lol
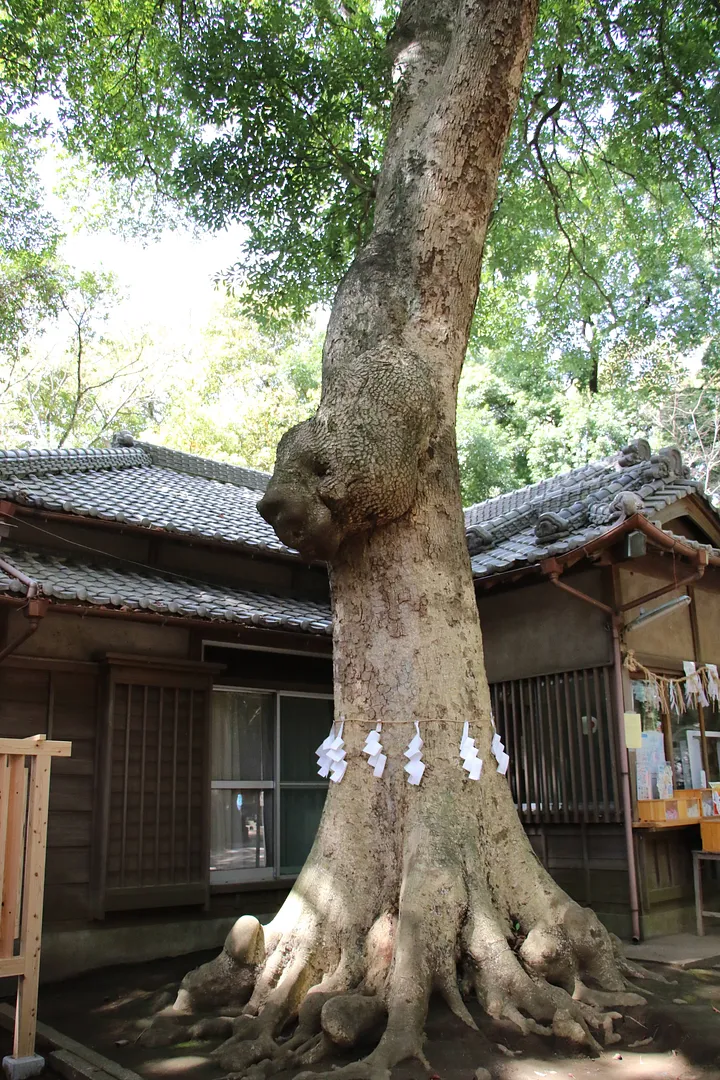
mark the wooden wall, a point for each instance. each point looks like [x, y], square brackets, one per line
[667, 639]
[590, 862]
[707, 609]
[59, 699]
[537, 629]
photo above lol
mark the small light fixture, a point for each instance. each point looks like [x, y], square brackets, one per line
[656, 613]
[636, 544]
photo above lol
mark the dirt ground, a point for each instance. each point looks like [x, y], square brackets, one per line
[107, 1011]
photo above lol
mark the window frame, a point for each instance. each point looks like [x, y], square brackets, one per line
[276, 785]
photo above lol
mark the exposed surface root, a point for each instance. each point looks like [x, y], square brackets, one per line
[564, 978]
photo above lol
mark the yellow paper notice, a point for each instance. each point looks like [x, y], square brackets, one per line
[633, 731]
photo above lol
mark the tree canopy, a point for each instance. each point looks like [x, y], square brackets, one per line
[601, 266]
[274, 114]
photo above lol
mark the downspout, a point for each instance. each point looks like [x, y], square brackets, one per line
[625, 778]
[553, 570]
[35, 608]
[28, 582]
[34, 623]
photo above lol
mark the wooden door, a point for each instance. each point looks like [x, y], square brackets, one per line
[154, 789]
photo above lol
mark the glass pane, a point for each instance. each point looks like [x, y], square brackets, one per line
[647, 703]
[299, 819]
[242, 829]
[681, 726]
[714, 755]
[243, 736]
[304, 723]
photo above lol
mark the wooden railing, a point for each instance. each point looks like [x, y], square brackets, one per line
[24, 795]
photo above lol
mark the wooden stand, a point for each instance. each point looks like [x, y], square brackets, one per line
[698, 856]
[24, 795]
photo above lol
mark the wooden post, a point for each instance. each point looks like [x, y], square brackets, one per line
[23, 844]
[697, 656]
[32, 907]
[13, 856]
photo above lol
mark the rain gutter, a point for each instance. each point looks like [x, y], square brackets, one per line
[34, 608]
[61, 608]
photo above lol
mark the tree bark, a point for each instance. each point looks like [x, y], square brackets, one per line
[410, 889]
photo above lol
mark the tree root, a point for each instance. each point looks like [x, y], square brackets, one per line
[563, 976]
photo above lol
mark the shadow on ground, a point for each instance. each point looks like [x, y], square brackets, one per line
[107, 1010]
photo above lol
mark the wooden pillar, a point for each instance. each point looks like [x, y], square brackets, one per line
[32, 908]
[697, 657]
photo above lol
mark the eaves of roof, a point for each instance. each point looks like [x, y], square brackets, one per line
[142, 488]
[115, 589]
[248, 547]
[679, 545]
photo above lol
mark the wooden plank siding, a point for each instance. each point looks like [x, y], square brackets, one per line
[558, 730]
[59, 700]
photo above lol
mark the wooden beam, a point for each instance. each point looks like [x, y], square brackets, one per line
[11, 965]
[16, 780]
[37, 746]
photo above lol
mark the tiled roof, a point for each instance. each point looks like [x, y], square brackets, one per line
[137, 483]
[556, 516]
[114, 584]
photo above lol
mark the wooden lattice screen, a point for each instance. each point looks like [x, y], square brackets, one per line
[558, 730]
[154, 844]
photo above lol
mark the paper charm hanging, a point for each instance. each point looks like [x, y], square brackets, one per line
[331, 754]
[415, 766]
[713, 682]
[373, 748]
[501, 757]
[693, 684]
[468, 752]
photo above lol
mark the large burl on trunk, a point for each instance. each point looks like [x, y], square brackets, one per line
[408, 889]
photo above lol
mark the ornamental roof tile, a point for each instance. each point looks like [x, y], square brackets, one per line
[562, 513]
[114, 584]
[137, 483]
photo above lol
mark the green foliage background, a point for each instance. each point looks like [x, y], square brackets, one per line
[599, 308]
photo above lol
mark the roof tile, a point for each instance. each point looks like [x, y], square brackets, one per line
[141, 484]
[106, 583]
[564, 512]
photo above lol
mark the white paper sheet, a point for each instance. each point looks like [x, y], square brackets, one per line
[338, 772]
[331, 754]
[415, 766]
[472, 763]
[415, 769]
[379, 764]
[475, 768]
[373, 748]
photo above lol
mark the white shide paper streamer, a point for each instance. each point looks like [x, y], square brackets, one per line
[501, 757]
[331, 754]
[373, 748]
[468, 752]
[415, 766]
[693, 684]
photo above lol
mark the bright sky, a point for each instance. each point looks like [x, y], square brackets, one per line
[168, 282]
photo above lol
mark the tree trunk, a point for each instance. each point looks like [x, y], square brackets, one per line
[408, 888]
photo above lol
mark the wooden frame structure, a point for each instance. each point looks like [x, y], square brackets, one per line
[24, 796]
